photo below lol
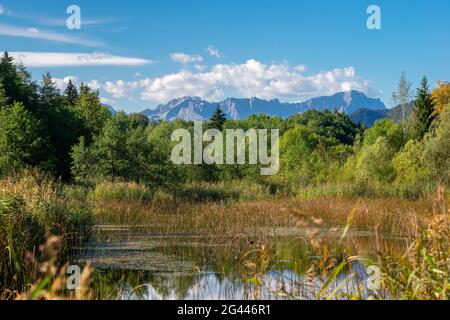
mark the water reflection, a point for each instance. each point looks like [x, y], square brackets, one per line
[137, 263]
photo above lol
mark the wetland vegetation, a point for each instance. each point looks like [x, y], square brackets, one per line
[81, 186]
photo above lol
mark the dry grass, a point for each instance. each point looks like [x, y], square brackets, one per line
[391, 216]
[32, 208]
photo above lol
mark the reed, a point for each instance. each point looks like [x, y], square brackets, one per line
[33, 207]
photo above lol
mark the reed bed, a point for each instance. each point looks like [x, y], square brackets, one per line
[389, 216]
[33, 208]
[339, 230]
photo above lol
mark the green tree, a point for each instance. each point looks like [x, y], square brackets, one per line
[110, 147]
[139, 120]
[410, 167]
[59, 124]
[126, 153]
[17, 83]
[424, 112]
[373, 159]
[308, 156]
[217, 119]
[93, 113]
[71, 93]
[20, 142]
[374, 163]
[335, 125]
[3, 97]
[437, 149]
[83, 164]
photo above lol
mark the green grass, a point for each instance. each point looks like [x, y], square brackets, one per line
[121, 191]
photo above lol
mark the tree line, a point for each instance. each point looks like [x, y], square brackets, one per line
[72, 136]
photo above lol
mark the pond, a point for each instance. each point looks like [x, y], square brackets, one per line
[138, 262]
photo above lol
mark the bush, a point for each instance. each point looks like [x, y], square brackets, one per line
[121, 191]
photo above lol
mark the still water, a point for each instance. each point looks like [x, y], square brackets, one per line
[136, 262]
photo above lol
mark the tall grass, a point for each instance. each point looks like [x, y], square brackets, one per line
[419, 269]
[121, 191]
[32, 208]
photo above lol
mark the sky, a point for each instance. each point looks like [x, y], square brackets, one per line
[142, 53]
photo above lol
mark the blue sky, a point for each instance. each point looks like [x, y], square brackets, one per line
[141, 53]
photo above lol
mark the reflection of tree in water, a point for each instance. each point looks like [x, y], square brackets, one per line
[168, 284]
[234, 270]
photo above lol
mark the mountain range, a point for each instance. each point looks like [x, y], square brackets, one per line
[359, 107]
[195, 108]
[369, 117]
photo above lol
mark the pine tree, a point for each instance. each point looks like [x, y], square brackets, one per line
[71, 93]
[17, 83]
[217, 119]
[424, 110]
[3, 97]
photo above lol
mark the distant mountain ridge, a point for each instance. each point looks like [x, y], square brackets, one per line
[194, 108]
[369, 117]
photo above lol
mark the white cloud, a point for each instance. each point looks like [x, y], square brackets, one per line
[253, 79]
[249, 79]
[119, 88]
[107, 101]
[33, 33]
[213, 52]
[300, 68]
[33, 30]
[200, 67]
[2, 10]
[94, 84]
[56, 59]
[185, 58]
[61, 84]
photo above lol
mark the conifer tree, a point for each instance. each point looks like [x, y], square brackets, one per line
[71, 93]
[424, 110]
[217, 119]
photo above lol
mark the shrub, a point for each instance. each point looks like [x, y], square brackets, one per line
[121, 191]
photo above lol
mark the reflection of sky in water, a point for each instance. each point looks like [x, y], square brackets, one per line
[276, 285]
[167, 274]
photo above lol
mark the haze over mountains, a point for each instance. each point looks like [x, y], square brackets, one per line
[194, 108]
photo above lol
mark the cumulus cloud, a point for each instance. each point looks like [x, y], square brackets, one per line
[33, 33]
[253, 79]
[249, 79]
[185, 58]
[213, 52]
[120, 88]
[56, 59]
[200, 67]
[61, 84]
[94, 84]
[300, 68]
